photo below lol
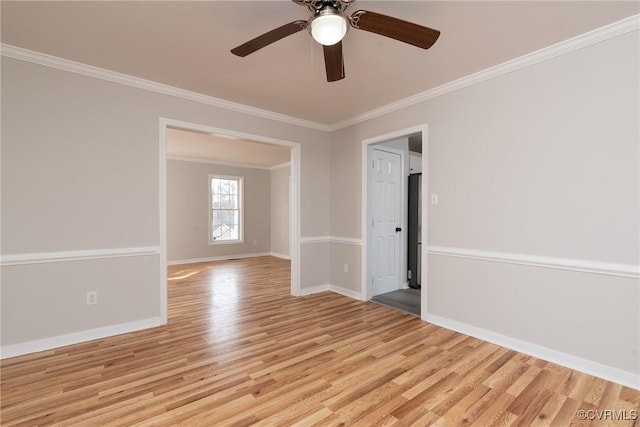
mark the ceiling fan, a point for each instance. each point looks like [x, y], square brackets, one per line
[329, 24]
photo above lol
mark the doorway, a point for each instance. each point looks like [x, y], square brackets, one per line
[393, 258]
[293, 205]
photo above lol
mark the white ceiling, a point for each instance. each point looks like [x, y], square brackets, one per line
[187, 145]
[186, 45]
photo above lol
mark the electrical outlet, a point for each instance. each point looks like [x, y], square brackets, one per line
[92, 298]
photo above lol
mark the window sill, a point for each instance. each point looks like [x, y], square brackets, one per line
[225, 242]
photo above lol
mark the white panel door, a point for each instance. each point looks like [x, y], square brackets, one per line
[385, 187]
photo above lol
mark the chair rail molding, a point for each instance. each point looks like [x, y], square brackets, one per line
[331, 239]
[570, 264]
[76, 255]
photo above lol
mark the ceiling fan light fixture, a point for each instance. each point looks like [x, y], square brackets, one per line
[328, 29]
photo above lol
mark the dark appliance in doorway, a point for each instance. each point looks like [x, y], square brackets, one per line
[414, 253]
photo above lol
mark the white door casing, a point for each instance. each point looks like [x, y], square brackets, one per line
[367, 145]
[385, 184]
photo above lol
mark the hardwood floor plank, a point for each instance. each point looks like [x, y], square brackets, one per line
[455, 408]
[496, 413]
[477, 409]
[549, 410]
[239, 350]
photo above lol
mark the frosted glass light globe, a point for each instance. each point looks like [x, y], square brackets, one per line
[328, 29]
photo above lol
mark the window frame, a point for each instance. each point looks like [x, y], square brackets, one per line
[240, 209]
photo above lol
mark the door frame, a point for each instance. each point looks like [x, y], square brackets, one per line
[294, 198]
[423, 129]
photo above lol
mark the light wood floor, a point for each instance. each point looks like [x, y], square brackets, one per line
[238, 350]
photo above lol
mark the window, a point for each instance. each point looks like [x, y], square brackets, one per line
[225, 209]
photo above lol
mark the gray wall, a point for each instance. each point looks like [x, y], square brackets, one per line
[80, 167]
[543, 161]
[188, 214]
[280, 177]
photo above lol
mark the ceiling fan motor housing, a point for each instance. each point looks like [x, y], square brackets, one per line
[316, 5]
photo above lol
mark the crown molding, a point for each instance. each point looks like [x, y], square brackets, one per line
[217, 162]
[228, 164]
[598, 35]
[10, 51]
[281, 165]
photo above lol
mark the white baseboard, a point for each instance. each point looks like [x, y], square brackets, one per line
[78, 337]
[333, 288]
[282, 256]
[313, 290]
[609, 373]
[346, 292]
[216, 258]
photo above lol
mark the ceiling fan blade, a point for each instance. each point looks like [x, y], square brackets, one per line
[395, 28]
[269, 37]
[334, 62]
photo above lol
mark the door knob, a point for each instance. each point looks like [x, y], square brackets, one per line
[398, 229]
